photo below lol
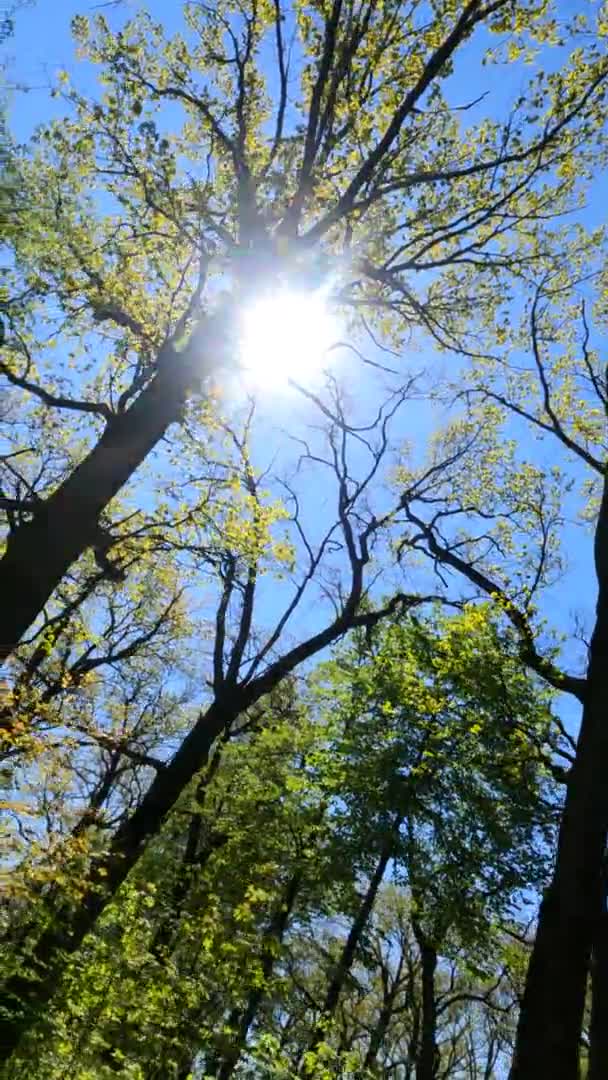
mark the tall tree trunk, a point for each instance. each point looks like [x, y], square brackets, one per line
[598, 1029]
[39, 553]
[347, 956]
[426, 1058]
[551, 1016]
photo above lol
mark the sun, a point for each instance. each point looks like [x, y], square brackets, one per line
[286, 336]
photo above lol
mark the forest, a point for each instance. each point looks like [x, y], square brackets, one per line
[304, 540]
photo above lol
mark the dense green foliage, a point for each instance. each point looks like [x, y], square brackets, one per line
[392, 756]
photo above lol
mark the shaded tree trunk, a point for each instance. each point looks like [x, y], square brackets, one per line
[491, 1059]
[195, 858]
[598, 1029]
[355, 934]
[378, 1036]
[39, 552]
[551, 1016]
[426, 1058]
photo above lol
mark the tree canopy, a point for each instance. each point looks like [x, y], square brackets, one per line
[302, 460]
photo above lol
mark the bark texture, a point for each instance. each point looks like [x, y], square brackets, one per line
[549, 1030]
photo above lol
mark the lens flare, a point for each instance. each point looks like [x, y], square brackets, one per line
[286, 336]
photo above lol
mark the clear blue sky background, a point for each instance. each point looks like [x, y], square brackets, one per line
[42, 45]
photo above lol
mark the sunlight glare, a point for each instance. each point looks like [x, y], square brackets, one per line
[286, 336]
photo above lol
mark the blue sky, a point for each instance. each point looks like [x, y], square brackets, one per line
[42, 45]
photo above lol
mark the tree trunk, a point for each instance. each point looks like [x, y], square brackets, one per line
[345, 962]
[598, 1030]
[39, 553]
[551, 1016]
[426, 1058]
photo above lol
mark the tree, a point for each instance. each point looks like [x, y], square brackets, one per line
[152, 218]
[453, 756]
[267, 878]
[560, 394]
[223, 190]
[232, 537]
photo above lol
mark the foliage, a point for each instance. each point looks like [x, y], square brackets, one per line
[244, 895]
[251, 673]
